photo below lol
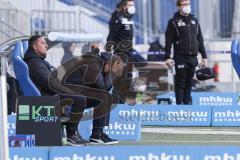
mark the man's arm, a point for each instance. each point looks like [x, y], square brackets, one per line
[169, 39]
[93, 76]
[104, 82]
[201, 43]
[114, 28]
[201, 48]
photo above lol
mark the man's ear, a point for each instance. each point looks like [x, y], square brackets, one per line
[34, 46]
[124, 7]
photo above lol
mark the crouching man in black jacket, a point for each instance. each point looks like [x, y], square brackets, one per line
[91, 76]
[184, 33]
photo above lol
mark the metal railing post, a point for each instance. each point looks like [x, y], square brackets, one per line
[4, 150]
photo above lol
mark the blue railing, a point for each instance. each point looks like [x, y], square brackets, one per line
[226, 18]
[108, 6]
[224, 10]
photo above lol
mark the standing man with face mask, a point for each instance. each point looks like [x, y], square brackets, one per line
[120, 39]
[184, 33]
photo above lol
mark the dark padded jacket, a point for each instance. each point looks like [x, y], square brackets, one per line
[39, 71]
[184, 33]
[87, 70]
[121, 28]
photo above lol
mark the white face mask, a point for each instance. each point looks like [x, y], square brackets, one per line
[131, 10]
[186, 9]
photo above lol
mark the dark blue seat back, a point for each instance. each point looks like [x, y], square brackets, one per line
[235, 55]
[22, 72]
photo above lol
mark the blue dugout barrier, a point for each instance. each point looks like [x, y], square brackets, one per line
[127, 153]
[209, 98]
[39, 153]
[196, 115]
[119, 128]
[126, 121]
[147, 153]
[166, 115]
[226, 116]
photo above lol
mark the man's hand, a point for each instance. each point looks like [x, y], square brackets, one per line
[169, 62]
[204, 62]
[109, 47]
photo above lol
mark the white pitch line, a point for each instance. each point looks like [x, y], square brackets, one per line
[191, 131]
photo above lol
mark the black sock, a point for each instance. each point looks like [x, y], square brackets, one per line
[101, 130]
[97, 131]
[70, 133]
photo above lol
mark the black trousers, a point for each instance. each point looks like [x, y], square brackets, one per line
[78, 104]
[185, 70]
[79, 96]
[87, 97]
[122, 85]
[102, 121]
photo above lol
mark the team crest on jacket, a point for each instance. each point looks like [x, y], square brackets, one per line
[193, 22]
[181, 23]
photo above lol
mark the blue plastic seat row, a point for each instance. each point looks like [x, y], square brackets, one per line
[21, 70]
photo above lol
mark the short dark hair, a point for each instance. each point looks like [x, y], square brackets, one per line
[124, 2]
[179, 2]
[119, 4]
[32, 40]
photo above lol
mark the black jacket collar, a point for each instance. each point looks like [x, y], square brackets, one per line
[31, 54]
[187, 19]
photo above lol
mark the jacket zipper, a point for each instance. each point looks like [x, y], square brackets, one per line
[190, 44]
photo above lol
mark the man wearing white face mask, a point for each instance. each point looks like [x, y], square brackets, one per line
[120, 39]
[184, 33]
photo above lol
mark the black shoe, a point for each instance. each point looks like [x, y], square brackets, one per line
[103, 139]
[76, 140]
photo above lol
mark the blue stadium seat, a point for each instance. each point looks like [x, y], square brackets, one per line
[25, 47]
[22, 72]
[235, 54]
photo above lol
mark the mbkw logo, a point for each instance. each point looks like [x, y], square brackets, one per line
[188, 116]
[118, 128]
[227, 116]
[216, 101]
